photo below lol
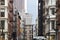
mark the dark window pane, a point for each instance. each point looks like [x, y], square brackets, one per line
[2, 22]
[2, 2]
[53, 11]
[53, 24]
[2, 14]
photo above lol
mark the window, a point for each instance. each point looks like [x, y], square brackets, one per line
[2, 35]
[53, 24]
[2, 12]
[2, 2]
[2, 24]
[53, 11]
[52, 2]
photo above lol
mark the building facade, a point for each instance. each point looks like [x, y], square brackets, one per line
[28, 27]
[36, 28]
[7, 21]
[3, 19]
[50, 19]
[20, 6]
[10, 19]
[57, 19]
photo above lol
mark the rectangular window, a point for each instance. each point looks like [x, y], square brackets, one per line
[2, 12]
[2, 2]
[53, 11]
[2, 24]
[53, 23]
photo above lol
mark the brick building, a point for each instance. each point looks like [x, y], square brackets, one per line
[3, 19]
[58, 19]
[10, 18]
[14, 21]
[9, 22]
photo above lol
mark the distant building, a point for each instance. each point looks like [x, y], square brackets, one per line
[28, 29]
[10, 19]
[20, 7]
[36, 27]
[35, 31]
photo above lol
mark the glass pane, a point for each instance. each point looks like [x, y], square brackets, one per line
[2, 23]
[53, 24]
[2, 2]
[53, 11]
[2, 14]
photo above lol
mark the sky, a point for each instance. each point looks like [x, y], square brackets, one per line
[32, 9]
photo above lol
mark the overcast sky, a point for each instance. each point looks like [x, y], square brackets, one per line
[32, 8]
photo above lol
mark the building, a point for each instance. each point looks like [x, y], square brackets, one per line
[57, 19]
[18, 26]
[26, 19]
[8, 21]
[20, 6]
[28, 29]
[3, 19]
[50, 19]
[40, 17]
[35, 31]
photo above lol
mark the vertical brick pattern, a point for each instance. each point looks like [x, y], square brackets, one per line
[58, 18]
[10, 18]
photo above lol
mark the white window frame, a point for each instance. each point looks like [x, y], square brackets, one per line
[52, 2]
[50, 11]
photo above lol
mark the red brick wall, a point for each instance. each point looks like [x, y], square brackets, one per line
[58, 17]
[10, 18]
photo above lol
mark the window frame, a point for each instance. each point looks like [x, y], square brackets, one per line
[52, 11]
[53, 27]
[1, 25]
[2, 2]
[2, 10]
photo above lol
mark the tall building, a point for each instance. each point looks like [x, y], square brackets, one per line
[40, 17]
[50, 19]
[10, 18]
[47, 17]
[3, 19]
[58, 19]
[28, 29]
[36, 28]
[9, 22]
